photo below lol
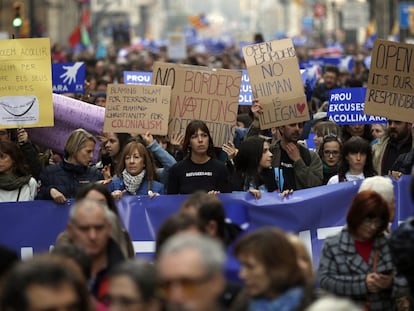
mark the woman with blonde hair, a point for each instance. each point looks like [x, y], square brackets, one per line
[62, 180]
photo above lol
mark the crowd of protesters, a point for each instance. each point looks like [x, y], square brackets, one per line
[93, 265]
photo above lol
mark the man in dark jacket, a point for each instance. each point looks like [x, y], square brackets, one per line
[296, 167]
[90, 227]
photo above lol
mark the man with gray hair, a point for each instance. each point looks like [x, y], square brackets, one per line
[90, 227]
[191, 271]
[383, 186]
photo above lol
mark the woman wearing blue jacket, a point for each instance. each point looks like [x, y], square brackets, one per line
[136, 174]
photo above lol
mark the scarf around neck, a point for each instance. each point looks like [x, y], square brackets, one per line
[132, 183]
[11, 182]
[288, 301]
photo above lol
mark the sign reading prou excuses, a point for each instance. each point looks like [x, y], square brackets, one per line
[346, 106]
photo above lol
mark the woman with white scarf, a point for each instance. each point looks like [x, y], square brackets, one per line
[136, 174]
[16, 183]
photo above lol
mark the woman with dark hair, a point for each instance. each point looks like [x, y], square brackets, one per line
[61, 181]
[270, 271]
[114, 145]
[134, 286]
[322, 129]
[357, 261]
[360, 130]
[136, 173]
[330, 150]
[199, 170]
[253, 170]
[16, 183]
[356, 161]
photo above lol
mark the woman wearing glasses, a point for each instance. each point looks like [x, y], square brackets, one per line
[329, 151]
[356, 162]
[357, 262]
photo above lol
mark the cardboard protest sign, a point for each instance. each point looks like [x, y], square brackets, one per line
[276, 82]
[210, 95]
[390, 89]
[25, 83]
[346, 106]
[132, 108]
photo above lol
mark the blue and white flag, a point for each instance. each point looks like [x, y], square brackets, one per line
[68, 77]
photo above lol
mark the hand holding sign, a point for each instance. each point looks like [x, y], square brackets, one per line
[275, 78]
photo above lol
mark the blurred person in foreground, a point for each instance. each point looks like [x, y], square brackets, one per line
[384, 186]
[270, 271]
[191, 272]
[44, 283]
[134, 286]
[89, 226]
[357, 263]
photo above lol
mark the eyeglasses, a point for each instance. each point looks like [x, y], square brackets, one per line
[369, 221]
[187, 284]
[122, 301]
[329, 153]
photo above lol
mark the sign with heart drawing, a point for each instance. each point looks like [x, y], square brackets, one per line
[276, 82]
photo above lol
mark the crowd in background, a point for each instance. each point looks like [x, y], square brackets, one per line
[93, 265]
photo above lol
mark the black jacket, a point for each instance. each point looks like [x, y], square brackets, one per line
[67, 178]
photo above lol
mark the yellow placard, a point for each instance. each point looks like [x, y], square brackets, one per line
[134, 108]
[201, 93]
[390, 88]
[276, 82]
[25, 83]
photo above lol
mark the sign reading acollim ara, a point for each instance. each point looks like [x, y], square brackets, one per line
[25, 83]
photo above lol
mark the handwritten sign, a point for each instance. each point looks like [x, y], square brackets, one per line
[390, 89]
[201, 93]
[137, 77]
[138, 109]
[176, 46]
[25, 83]
[276, 81]
[346, 106]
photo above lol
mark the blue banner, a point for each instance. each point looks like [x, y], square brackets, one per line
[346, 106]
[68, 77]
[315, 213]
[137, 77]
